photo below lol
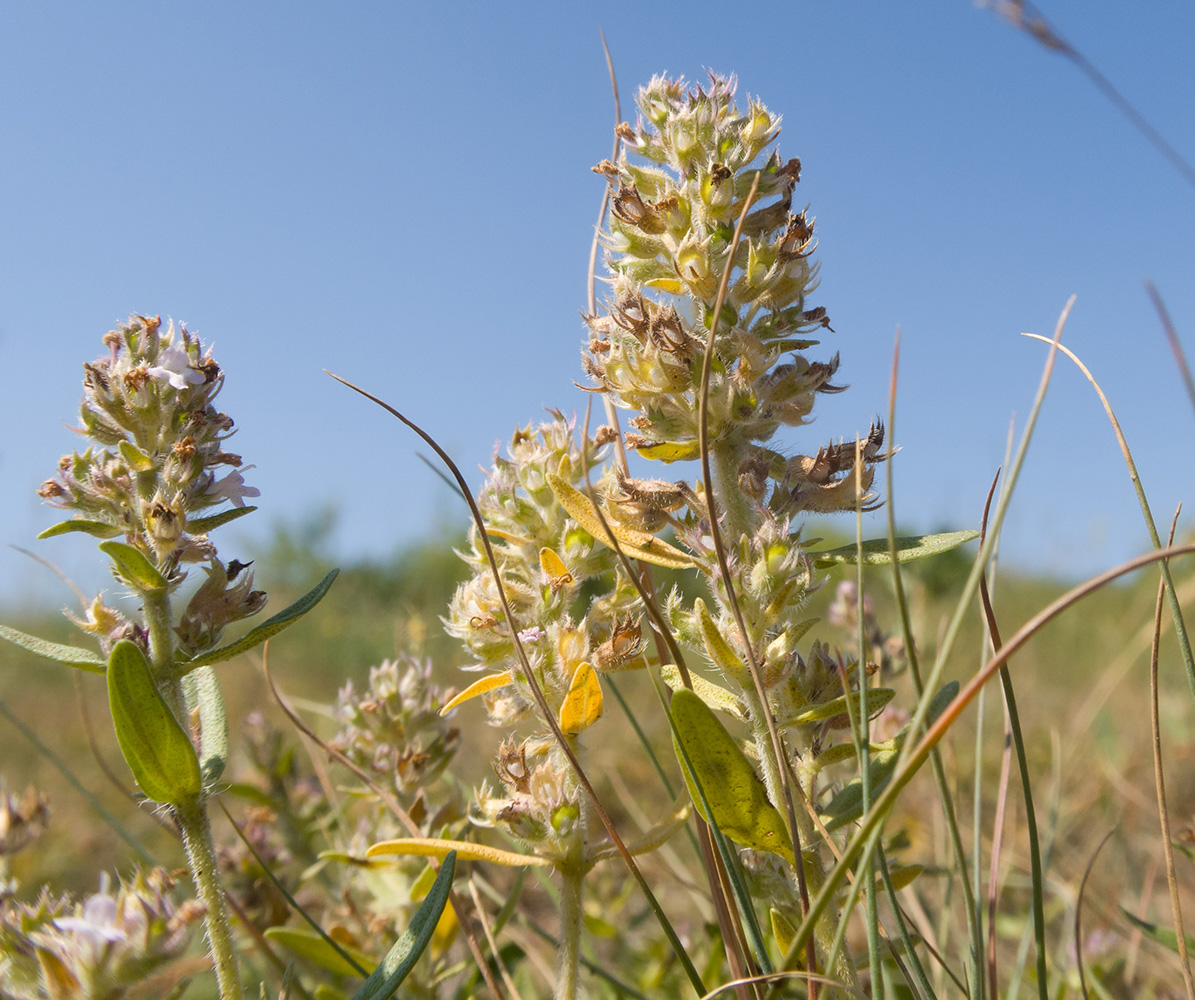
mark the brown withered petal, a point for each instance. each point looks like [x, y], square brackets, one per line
[606, 169]
[50, 489]
[652, 493]
[606, 434]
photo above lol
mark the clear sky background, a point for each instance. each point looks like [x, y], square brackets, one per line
[400, 192]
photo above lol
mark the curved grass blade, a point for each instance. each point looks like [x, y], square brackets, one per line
[72, 656]
[266, 630]
[399, 961]
[467, 851]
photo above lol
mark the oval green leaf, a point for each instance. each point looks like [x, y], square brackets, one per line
[266, 630]
[399, 961]
[133, 567]
[135, 458]
[72, 656]
[876, 551]
[157, 750]
[735, 793]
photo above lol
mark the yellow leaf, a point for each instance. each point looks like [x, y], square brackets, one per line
[635, 544]
[670, 451]
[554, 569]
[721, 652]
[479, 687]
[715, 696]
[583, 704]
[434, 848]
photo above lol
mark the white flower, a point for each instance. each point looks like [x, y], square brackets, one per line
[99, 923]
[174, 365]
[232, 487]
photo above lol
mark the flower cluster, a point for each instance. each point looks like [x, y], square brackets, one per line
[155, 471]
[101, 947]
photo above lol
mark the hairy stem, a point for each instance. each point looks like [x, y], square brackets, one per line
[570, 933]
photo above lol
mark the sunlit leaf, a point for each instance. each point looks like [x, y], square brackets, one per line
[156, 748]
[435, 848]
[877, 698]
[877, 553]
[712, 694]
[97, 529]
[267, 629]
[202, 525]
[635, 544]
[479, 687]
[133, 566]
[135, 458]
[670, 451]
[72, 656]
[316, 949]
[734, 791]
[582, 705]
[720, 651]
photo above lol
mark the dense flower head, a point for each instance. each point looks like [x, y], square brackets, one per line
[97, 948]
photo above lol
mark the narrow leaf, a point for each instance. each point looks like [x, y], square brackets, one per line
[636, 544]
[876, 550]
[582, 705]
[734, 791]
[203, 693]
[267, 629]
[877, 698]
[97, 529]
[158, 751]
[136, 459]
[847, 805]
[72, 656]
[1164, 936]
[399, 961]
[309, 945]
[202, 525]
[670, 451]
[479, 687]
[133, 566]
[466, 851]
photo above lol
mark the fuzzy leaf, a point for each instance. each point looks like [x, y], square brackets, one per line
[720, 651]
[134, 567]
[135, 458]
[839, 753]
[782, 930]
[716, 697]
[466, 851]
[847, 805]
[97, 529]
[399, 961]
[479, 687]
[157, 750]
[877, 698]
[635, 544]
[734, 791]
[203, 693]
[582, 705]
[72, 656]
[267, 629]
[876, 552]
[309, 945]
[202, 525]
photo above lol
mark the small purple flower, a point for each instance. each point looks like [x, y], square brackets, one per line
[174, 365]
[232, 487]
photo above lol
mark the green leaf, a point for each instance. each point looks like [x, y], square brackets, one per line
[877, 553]
[712, 694]
[134, 568]
[157, 750]
[135, 458]
[735, 793]
[72, 656]
[203, 693]
[202, 525]
[97, 529]
[1164, 936]
[317, 950]
[399, 961]
[267, 629]
[847, 805]
[877, 698]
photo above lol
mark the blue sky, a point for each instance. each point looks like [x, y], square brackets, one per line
[401, 193]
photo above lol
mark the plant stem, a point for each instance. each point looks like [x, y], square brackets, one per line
[201, 859]
[570, 933]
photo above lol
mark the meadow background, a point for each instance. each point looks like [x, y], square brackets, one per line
[401, 193]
